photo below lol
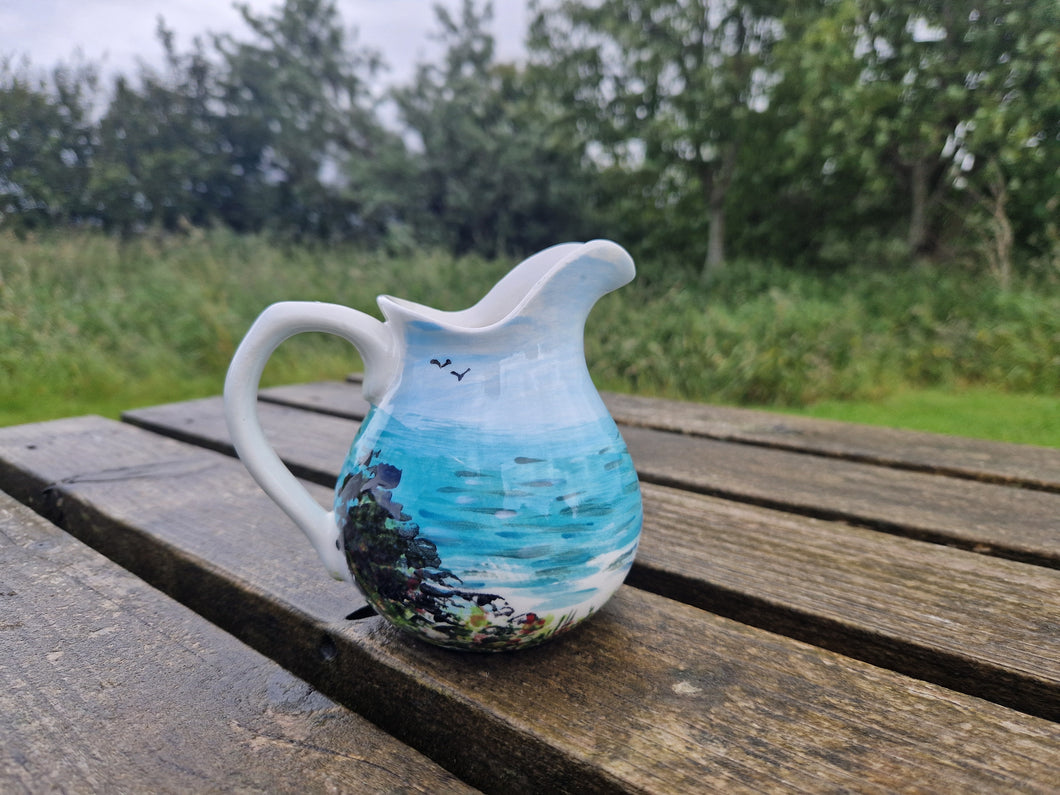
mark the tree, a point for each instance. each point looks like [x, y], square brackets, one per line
[669, 87]
[833, 198]
[297, 109]
[252, 134]
[931, 87]
[162, 159]
[490, 172]
[1010, 148]
[46, 143]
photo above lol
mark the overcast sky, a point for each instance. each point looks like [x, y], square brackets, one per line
[115, 33]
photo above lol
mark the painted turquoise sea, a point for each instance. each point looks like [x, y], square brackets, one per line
[488, 541]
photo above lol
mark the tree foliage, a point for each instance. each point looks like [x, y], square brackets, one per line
[490, 171]
[676, 87]
[46, 143]
[297, 97]
[698, 131]
[160, 158]
[935, 92]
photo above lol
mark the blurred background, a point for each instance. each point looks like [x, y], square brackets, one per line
[848, 208]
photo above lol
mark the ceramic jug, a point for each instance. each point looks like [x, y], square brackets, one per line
[488, 501]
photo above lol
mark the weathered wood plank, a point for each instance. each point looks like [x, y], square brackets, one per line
[973, 623]
[338, 398]
[1020, 524]
[984, 626]
[1028, 466]
[650, 695]
[107, 685]
[38, 465]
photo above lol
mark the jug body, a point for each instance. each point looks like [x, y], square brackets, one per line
[495, 531]
[488, 501]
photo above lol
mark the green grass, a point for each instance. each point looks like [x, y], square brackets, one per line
[89, 324]
[976, 411]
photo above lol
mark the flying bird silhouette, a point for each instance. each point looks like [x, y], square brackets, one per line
[460, 376]
[441, 365]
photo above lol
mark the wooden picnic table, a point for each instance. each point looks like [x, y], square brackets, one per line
[816, 606]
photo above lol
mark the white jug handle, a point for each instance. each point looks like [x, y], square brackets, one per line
[373, 340]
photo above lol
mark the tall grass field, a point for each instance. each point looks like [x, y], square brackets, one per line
[91, 324]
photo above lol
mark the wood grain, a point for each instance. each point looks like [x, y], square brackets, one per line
[1019, 524]
[976, 624]
[107, 685]
[1015, 523]
[651, 695]
[1028, 466]
[983, 626]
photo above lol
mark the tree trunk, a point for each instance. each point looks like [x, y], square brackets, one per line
[715, 240]
[717, 177]
[995, 231]
[917, 234]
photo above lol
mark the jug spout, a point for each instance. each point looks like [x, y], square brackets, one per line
[566, 282]
[560, 284]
